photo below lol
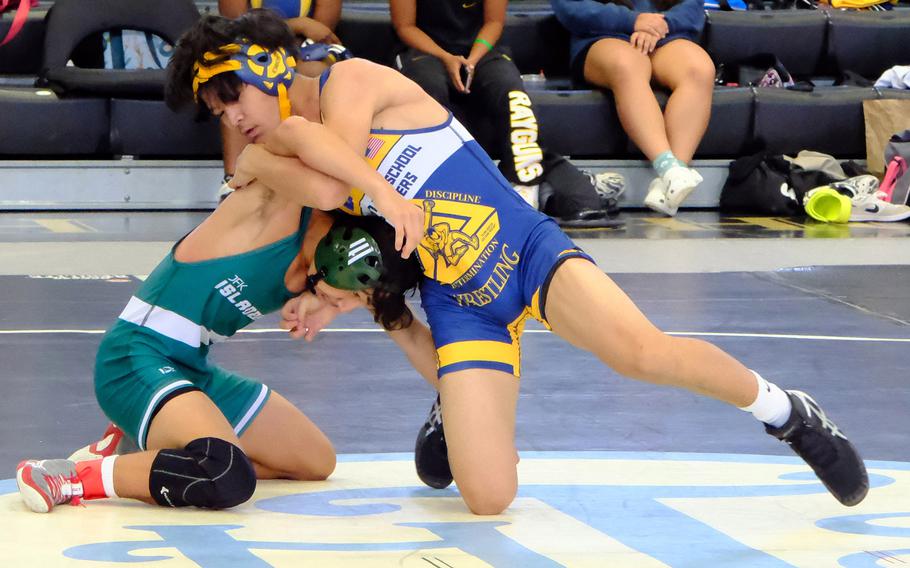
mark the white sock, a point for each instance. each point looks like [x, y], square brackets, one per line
[107, 475]
[772, 405]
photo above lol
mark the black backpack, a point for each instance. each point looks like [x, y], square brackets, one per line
[758, 184]
[767, 184]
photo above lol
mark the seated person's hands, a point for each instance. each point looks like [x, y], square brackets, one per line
[644, 42]
[454, 65]
[652, 23]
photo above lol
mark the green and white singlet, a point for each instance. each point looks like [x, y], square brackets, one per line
[159, 345]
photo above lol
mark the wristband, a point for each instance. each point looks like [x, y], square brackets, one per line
[482, 41]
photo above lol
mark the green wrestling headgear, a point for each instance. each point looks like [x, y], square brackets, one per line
[348, 258]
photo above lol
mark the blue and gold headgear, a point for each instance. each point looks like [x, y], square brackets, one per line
[272, 72]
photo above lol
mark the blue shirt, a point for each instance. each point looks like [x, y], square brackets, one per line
[287, 8]
[591, 20]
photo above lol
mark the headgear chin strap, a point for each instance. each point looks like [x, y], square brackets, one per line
[272, 72]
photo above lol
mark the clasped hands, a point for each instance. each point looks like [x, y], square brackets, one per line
[650, 28]
[461, 72]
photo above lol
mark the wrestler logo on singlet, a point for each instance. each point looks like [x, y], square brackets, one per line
[494, 285]
[458, 232]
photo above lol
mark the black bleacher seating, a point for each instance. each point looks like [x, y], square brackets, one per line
[71, 21]
[828, 120]
[894, 93]
[369, 35]
[74, 81]
[869, 43]
[149, 128]
[730, 130]
[537, 42]
[578, 123]
[559, 115]
[22, 55]
[35, 123]
[796, 37]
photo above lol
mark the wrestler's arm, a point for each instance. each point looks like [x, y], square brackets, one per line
[351, 98]
[290, 177]
[334, 149]
[306, 315]
[320, 149]
[416, 342]
[313, 147]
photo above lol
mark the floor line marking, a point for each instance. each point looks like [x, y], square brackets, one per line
[377, 330]
[790, 336]
[64, 226]
[778, 279]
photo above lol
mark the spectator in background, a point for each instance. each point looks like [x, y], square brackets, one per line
[622, 45]
[314, 22]
[452, 54]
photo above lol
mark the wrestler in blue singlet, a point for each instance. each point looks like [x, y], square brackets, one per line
[488, 256]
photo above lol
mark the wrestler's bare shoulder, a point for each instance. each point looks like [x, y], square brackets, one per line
[384, 81]
[397, 102]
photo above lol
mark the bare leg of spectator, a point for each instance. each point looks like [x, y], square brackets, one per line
[687, 70]
[616, 65]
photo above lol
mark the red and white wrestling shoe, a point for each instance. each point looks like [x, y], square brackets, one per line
[112, 442]
[45, 484]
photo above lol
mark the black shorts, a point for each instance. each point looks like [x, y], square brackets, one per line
[578, 68]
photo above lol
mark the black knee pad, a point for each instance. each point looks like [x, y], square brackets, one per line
[209, 473]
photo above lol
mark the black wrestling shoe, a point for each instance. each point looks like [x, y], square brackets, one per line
[431, 455]
[818, 440]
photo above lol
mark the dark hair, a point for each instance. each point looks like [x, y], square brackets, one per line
[263, 27]
[661, 5]
[400, 276]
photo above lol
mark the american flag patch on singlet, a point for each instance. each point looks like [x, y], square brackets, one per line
[373, 147]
